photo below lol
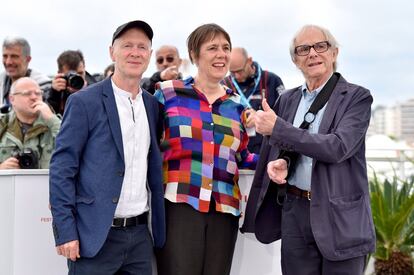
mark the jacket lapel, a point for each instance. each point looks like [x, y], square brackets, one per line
[292, 104]
[113, 117]
[289, 107]
[333, 105]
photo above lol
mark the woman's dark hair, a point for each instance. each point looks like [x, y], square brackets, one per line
[203, 33]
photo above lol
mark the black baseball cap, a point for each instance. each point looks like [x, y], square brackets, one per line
[138, 24]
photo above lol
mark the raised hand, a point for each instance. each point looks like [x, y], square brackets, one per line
[265, 119]
[169, 73]
[43, 109]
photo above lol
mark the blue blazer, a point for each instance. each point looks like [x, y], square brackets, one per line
[340, 212]
[87, 169]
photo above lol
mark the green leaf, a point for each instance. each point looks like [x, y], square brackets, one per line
[392, 204]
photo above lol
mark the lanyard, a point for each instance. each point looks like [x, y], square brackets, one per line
[256, 83]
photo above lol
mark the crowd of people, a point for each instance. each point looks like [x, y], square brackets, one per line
[140, 166]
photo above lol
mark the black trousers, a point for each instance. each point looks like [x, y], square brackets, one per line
[197, 243]
[300, 253]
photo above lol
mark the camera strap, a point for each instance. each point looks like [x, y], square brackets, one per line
[290, 156]
[39, 147]
[24, 128]
[320, 100]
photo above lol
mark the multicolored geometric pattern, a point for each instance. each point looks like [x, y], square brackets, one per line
[203, 146]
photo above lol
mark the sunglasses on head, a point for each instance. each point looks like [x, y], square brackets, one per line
[169, 59]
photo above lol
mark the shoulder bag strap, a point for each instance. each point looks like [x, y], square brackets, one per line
[290, 156]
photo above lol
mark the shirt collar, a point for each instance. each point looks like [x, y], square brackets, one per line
[314, 93]
[124, 94]
[188, 82]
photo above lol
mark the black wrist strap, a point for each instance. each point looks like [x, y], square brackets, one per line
[317, 104]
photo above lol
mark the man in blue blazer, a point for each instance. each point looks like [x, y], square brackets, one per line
[324, 218]
[106, 174]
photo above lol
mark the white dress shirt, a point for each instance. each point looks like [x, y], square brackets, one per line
[135, 131]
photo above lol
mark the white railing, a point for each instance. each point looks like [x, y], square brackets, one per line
[390, 162]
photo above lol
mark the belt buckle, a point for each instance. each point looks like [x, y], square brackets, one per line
[308, 195]
[113, 225]
[116, 225]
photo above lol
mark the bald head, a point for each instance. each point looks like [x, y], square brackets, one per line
[24, 96]
[168, 48]
[24, 82]
[241, 64]
[239, 52]
[167, 56]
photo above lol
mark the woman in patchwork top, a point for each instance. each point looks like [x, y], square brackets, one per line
[204, 145]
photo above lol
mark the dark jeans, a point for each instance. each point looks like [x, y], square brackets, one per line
[197, 243]
[300, 253]
[126, 251]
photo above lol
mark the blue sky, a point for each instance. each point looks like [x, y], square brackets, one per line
[375, 36]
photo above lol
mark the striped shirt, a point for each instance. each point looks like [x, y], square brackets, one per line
[204, 145]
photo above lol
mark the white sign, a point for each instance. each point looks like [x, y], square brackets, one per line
[27, 240]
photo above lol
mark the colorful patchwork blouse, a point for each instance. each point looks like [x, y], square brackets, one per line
[203, 146]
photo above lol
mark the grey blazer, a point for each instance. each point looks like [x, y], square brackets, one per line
[340, 211]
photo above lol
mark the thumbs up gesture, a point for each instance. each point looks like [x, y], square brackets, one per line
[265, 106]
[265, 119]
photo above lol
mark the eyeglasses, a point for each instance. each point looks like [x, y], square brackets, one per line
[240, 70]
[169, 59]
[29, 93]
[320, 47]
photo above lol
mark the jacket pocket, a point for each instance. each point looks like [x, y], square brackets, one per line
[84, 200]
[350, 221]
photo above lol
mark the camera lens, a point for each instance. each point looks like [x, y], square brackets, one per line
[26, 161]
[74, 80]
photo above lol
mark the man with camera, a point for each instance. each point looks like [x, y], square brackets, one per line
[71, 77]
[27, 133]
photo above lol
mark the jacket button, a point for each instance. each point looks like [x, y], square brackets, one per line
[115, 199]
[121, 173]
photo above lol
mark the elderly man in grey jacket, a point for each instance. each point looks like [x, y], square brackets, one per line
[323, 216]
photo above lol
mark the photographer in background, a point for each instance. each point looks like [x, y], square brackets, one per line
[71, 77]
[27, 133]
